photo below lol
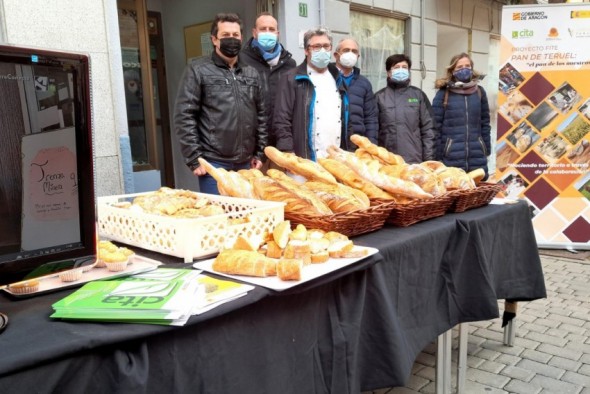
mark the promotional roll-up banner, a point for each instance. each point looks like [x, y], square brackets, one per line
[543, 147]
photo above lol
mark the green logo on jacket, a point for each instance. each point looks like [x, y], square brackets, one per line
[412, 100]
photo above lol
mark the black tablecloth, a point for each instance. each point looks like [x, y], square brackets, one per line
[358, 329]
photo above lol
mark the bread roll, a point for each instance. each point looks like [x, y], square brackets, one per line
[347, 176]
[339, 248]
[244, 262]
[298, 165]
[289, 269]
[383, 154]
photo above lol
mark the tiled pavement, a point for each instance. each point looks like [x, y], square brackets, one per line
[551, 352]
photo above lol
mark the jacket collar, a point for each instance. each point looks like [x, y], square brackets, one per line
[219, 62]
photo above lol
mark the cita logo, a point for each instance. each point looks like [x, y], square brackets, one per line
[529, 16]
[526, 33]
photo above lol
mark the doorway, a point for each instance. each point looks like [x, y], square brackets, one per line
[146, 95]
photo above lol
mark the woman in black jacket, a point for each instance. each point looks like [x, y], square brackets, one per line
[462, 117]
[405, 121]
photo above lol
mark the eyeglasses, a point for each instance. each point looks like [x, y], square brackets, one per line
[318, 47]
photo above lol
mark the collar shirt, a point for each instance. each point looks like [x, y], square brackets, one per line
[327, 120]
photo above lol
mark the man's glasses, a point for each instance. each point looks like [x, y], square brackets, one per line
[317, 47]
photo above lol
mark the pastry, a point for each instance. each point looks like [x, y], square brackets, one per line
[71, 275]
[24, 287]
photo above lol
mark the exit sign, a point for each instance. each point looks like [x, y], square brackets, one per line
[303, 10]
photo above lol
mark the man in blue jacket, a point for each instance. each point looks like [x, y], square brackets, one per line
[363, 109]
[311, 108]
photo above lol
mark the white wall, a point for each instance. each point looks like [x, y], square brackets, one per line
[77, 26]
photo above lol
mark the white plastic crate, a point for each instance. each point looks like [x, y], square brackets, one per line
[187, 238]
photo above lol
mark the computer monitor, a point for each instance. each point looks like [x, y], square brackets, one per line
[47, 203]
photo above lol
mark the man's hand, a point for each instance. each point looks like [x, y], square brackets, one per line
[199, 171]
[255, 163]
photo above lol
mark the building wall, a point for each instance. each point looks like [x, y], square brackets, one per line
[91, 27]
[80, 26]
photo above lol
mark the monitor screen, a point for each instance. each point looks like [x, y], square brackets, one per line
[47, 203]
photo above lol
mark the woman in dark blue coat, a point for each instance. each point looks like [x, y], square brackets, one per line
[462, 117]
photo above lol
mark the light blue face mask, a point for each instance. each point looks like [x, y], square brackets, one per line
[400, 74]
[321, 58]
[267, 40]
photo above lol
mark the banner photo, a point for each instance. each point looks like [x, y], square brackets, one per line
[543, 147]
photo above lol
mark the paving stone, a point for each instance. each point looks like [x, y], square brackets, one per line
[537, 356]
[551, 323]
[417, 382]
[527, 343]
[576, 378]
[544, 338]
[574, 329]
[555, 386]
[569, 320]
[532, 327]
[542, 369]
[508, 359]
[520, 387]
[573, 338]
[492, 366]
[426, 359]
[488, 354]
[582, 347]
[487, 378]
[517, 373]
[474, 387]
[400, 390]
[474, 362]
[565, 363]
[585, 368]
[427, 373]
[500, 347]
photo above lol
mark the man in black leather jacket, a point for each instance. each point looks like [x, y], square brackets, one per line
[220, 111]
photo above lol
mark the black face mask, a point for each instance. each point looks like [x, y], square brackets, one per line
[230, 46]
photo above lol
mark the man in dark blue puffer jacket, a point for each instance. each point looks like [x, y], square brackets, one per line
[363, 109]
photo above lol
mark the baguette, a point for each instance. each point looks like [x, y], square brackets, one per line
[244, 262]
[230, 183]
[298, 165]
[296, 200]
[289, 269]
[350, 178]
[338, 197]
[370, 171]
[379, 152]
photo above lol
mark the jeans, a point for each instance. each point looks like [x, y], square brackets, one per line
[208, 184]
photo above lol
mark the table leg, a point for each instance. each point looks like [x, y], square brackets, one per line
[509, 333]
[509, 330]
[443, 362]
[462, 358]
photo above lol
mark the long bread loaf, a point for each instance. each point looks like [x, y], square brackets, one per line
[244, 262]
[298, 165]
[348, 177]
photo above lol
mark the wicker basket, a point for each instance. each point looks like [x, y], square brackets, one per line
[403, 215]
[348, 223]
[473, 198]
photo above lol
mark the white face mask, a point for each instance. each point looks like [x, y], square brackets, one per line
[348, 59]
